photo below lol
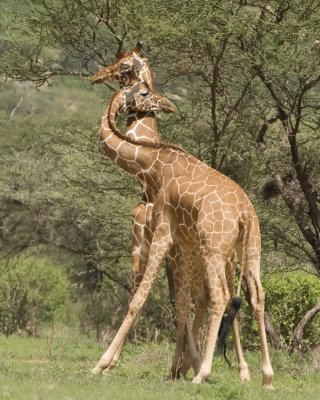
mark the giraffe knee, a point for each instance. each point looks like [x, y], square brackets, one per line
[257, 301]
[226, 297]
[256, 291]
[134, 307]
[225, 293]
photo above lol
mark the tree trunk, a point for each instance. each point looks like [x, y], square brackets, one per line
[298, 332]
[272, 333]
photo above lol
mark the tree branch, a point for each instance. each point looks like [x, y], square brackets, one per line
[299, 330]
[263, 130]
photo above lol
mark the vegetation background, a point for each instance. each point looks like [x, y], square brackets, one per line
[245, 77]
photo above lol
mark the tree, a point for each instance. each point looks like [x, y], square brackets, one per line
[233, 62]
[236, 51]
[243, 72]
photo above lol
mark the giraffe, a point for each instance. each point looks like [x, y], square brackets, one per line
[141, 126]
[130, 68]
[197, 207]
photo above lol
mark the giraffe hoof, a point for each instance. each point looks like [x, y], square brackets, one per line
[106, 371]
[245, 376]
[267, 379]
[268, 386]
[197, 380]
[96, 370]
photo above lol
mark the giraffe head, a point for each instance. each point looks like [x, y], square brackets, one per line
[141, 98]
[127, 69]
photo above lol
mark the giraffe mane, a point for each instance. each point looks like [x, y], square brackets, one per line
[122, 54]
[150, 70]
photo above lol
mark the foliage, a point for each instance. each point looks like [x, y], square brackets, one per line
[240, 72]
[103, 310]
[288, 297]
[31, 292]
[57, 189]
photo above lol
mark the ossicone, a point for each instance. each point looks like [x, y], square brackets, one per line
[138, 47]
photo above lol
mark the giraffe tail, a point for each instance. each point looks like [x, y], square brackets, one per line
[236, 301]
[226, 323]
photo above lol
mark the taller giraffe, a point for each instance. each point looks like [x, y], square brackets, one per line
[197, 207]
[128, 69]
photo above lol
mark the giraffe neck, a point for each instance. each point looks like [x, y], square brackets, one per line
[144, 71]
[142, 126]
[151, 163]
[124, 151]
[146, 76]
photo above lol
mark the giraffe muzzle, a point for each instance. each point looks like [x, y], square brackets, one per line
[101, 76]
[167, 106]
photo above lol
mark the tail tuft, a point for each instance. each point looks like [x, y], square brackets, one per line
[226, 323]
[236, 304]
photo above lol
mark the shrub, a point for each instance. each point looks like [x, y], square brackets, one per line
[103, 310]
[31, 292]
[288, 297]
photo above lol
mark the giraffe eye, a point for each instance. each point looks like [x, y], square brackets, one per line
[124, 67]
[144, 94]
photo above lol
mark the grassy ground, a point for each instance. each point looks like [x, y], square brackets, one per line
[41, 368]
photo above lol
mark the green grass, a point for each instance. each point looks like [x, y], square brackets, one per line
[30, 369]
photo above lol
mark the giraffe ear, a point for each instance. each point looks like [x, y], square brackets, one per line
[138, 47]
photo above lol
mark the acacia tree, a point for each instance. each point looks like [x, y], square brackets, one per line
[246, 71]
[285, 55]
[219, 49]
[250, 67]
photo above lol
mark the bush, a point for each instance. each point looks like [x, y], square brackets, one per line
[31, 292]
[103, 311]
[288, 297]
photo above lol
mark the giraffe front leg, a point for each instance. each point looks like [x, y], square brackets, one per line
[193, 353]
[161, 244]
[141, 241]
[242, 364]
[140, 251]
[115, 359]
[183, 278]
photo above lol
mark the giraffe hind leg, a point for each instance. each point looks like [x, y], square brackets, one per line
[182, 304]
[231, 266]
[192, 358]
[219, 295]
[257, 301]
